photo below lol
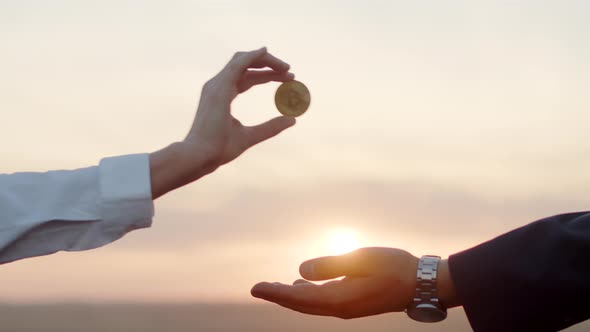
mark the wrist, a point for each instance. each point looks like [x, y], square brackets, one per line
[176, 165]
[445, 285]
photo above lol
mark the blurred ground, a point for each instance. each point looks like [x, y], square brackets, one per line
[204, 317]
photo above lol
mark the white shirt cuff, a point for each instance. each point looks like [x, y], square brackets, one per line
[125, 200]
[125, 188]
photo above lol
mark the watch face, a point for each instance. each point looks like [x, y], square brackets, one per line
[427, 312]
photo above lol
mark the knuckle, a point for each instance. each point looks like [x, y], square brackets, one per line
[232, 68]
[208, 85]
[234, 64]
[236, 58]
[211, 89]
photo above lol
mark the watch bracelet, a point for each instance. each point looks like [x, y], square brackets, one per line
[426, 279]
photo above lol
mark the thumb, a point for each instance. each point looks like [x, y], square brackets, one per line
[264, 131]
[352, 265]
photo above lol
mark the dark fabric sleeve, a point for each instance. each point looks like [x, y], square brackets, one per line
[534, 278]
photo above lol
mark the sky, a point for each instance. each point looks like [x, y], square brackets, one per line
[434, 126]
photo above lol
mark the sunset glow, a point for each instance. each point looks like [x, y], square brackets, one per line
[341, 241]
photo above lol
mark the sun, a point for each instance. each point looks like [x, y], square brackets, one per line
[341, 241]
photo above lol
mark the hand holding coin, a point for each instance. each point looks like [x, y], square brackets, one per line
[292, 98]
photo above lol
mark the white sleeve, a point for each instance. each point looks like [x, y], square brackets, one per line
[42, 213]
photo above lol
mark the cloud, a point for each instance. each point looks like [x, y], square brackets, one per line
[280, 214]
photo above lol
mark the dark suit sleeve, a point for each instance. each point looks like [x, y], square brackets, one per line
[534, 278]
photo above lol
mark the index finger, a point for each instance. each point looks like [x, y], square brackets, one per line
[260, 58]
[271, 61]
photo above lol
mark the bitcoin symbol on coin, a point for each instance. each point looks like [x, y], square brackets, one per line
[292, 98]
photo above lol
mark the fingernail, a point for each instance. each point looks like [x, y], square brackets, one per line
[306, 270]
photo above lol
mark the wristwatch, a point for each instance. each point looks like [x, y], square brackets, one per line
[426, 307]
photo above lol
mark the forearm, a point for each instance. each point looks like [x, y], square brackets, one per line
[531, 279]
[177, 165]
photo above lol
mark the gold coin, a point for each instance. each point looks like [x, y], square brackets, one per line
[292, 98]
